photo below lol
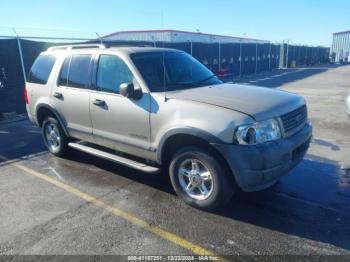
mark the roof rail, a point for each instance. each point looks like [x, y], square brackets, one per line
[70, 47]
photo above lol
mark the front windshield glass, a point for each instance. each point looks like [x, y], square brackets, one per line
[172, 71]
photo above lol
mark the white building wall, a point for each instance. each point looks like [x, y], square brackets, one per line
[177, 36]
[140, 36]
[207, 38]
[341, 46]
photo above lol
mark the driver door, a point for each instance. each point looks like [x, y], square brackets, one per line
[118, 122]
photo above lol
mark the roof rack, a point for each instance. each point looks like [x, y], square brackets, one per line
[70, 47]
[128, 45]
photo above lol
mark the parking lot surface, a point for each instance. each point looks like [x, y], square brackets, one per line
[85, 205]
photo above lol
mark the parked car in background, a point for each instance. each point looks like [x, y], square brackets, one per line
[347, 105]
[163, 109]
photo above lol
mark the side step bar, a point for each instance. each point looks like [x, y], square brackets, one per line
[115, 158]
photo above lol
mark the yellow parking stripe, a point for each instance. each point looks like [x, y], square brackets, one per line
[198, 250]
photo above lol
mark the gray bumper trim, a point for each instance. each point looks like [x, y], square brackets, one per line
[258, 167]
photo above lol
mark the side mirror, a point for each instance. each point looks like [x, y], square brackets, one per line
[128, 90]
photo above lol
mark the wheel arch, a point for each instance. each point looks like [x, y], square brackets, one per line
[44, 110]
[180, 135]
[177, 138]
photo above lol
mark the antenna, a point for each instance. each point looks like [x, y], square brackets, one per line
[99, 37]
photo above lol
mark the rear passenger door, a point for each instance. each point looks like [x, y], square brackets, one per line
[118, 122]
[71, 95]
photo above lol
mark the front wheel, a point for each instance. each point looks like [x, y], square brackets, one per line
[199, 179]
[54, 137]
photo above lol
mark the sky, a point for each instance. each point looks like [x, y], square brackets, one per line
[310, 22]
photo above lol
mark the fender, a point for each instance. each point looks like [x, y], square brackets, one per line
[56, 114]
[210, 138]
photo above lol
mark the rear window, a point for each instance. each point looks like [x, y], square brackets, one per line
[78, 75]
[41, 69]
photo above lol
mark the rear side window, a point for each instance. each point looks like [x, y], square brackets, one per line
[78, 73]
[63, 78]
[41, 69]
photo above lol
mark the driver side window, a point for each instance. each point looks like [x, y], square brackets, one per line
[111, 72]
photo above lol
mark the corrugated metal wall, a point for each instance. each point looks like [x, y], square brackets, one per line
[341, 46]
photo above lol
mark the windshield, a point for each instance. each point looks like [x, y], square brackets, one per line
[172, 71]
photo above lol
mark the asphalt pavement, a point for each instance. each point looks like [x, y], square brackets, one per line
[83, 205]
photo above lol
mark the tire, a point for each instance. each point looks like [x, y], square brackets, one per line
[54, 137]
[218, 186]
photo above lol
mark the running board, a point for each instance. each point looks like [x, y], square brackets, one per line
[118, 159]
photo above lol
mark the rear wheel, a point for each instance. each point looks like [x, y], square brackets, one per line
[54, 137]
[199, 179]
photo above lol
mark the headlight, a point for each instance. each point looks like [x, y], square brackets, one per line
[258, 132]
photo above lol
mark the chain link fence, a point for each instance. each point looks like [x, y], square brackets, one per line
[227, 60]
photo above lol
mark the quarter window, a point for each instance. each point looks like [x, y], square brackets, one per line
[78, 75]
[111, 73]
[41, 69]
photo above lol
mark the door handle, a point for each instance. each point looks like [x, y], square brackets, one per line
[58, 95]
[99, 102]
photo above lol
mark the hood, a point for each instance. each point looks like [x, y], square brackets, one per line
[259, 102]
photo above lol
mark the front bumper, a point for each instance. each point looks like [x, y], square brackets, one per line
[260, 166]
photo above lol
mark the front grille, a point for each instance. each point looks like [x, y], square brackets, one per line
[294, 119]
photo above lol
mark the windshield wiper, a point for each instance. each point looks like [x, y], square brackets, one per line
[188, 84]
[194, 82]
[203, 80]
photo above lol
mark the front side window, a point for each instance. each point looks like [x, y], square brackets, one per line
[172, 71]
[41, 69]
[78, 74]
[111, 73]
